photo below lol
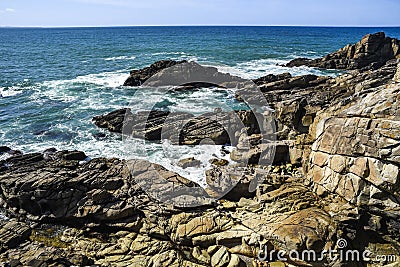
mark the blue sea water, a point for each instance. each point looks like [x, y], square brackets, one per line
[54, 80]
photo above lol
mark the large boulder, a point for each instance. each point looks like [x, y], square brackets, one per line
[138, 77]
[372, 52]
[185, 75]
[178, 127]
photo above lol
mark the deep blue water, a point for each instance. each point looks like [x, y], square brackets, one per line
[53, 81]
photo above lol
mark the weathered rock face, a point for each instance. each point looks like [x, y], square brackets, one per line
[356, 155]
[100, 191]
[124, 226]
[297, 104]
[372, 52]
[12, 234]
[363, 141]
[218, 127]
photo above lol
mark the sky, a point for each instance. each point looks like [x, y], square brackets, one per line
[59, 13]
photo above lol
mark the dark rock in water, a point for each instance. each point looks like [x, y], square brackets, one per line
[164, 105]
[183, 74]
[15, 152]
[179, 127]
[372, 52]
[302, 61]
[189, 162]
[219, 162]
[99, 135]
[50, 150]
[41, 132]
[138, 77]
[4, 149]
[74, 155]
[195, 85]
[190, 75]
[50, 153]
[272, 78]
[112, 121]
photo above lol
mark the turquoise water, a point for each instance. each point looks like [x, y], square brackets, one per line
[53, 81]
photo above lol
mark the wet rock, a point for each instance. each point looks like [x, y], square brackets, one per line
[219, 162]
[138, 77]
[189, 162]
[183, 74]
[4, 149]
[178, 127]
[112, 121]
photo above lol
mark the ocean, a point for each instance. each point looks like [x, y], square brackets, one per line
[54, 80]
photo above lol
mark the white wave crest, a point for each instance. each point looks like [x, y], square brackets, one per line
[261, 67]
[10, 91]
[120, 58]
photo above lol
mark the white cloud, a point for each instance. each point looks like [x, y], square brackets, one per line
[7, 10]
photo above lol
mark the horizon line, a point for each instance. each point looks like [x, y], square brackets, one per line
[201, 25]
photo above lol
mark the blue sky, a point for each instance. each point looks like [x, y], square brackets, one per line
[199, 12]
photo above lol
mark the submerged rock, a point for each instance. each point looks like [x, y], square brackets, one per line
[189, 162]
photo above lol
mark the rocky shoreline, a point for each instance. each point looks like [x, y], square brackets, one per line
[334, 176]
